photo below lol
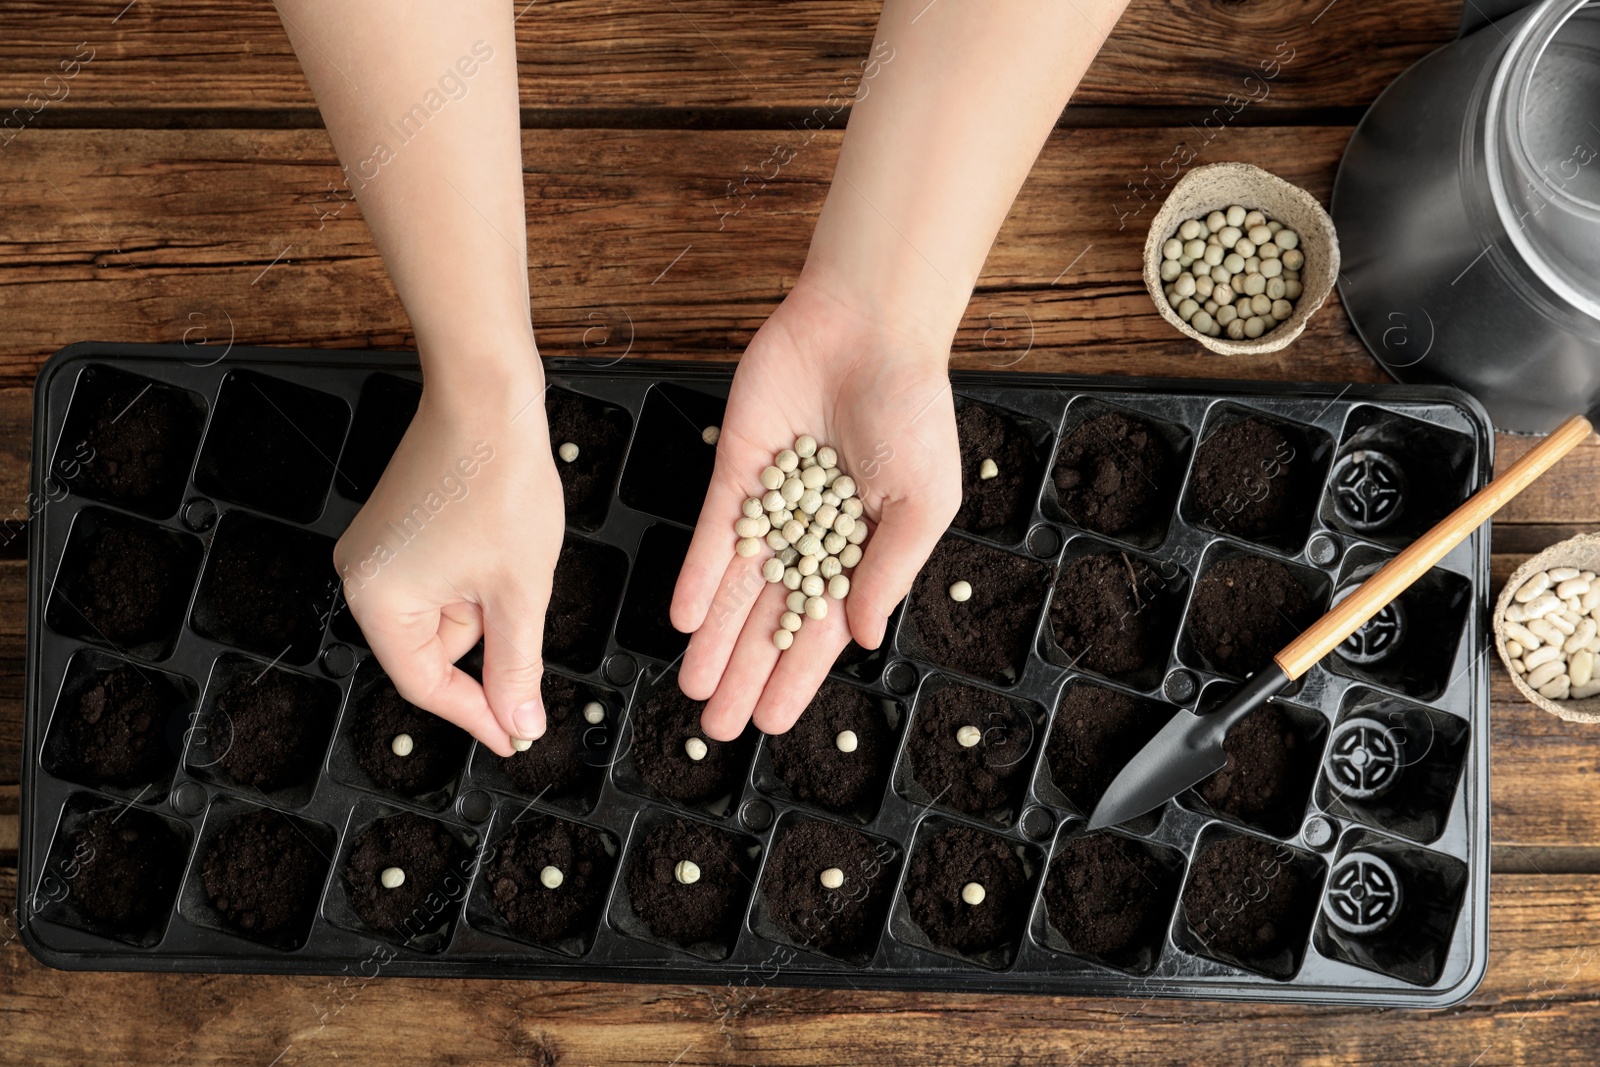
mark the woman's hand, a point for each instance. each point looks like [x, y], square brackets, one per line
[880, 395]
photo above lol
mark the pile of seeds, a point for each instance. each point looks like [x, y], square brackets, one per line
[811, 517]
[1553, 633]
[1235, 272]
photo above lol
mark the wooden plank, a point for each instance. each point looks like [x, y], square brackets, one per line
[633, 54]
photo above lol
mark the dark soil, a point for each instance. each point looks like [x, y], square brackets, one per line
[272, 733]
[438, 747]
[1112, 614]
[1263, 762]
[991, 774]
[1247, 481]
[268, 587]
[555, 764]
[583, 600]
[809, 762]
[662, 722]
[987, 636]
[435, 863]
[142, 437]
[946, 863]
[116, 729]
[706, 910]
[1114, 474]
[1244, 900]
[538, 913]
[600, 431]
[128, 864]
[1245, 610]
[129, 583]
[263, 876]
[844, 921]
[1095, 733]
[1105, 895]
[999, 503]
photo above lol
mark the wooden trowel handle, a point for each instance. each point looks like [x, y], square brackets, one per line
[1397, 575]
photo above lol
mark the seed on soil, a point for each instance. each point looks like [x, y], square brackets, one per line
[846, 741]
[968, 736]
[402, 745]
[832, 878]
[594, 713]
[695, 748]
[687, 872]
[973, 893]
[988, 469]
[392, 878]
[568, 452]
[551, 877]
[961, 592]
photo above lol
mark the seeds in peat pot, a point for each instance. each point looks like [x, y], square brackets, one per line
[1244, 611]
[263, 876]
[993, 503]
[270, 729]
[1094, 733]
[129, 874]
[116, 729]
[986, 776]
[844, 919]
[583, 599]
[129, 441]
[518, 884]
[427, 853]
[563, 761]
[438, 747]
[1250, 479]
[1106, 895]
[1113, 614]
[267, 588]
[818, 767]
[599, 431]
[1268, 774]
[988, 635]
[941, 868]
[123, 582]
[1114, 474]
[706, 909]
[1246, 899]
[662, 721]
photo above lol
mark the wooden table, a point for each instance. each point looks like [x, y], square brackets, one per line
[183, 190]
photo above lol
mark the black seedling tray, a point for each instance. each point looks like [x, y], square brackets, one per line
[254, 439]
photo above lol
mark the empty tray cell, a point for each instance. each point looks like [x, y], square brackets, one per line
[118, 725]
[383, 413]
[123, 582]
[1393, 765]
[686, 884]
[668, 756]
[827, 889]
[1273, 755]
[644, 625]
[583, 602]
[566, 765]
[669, 466]
[402, 876]
[544, 881]
[1115, 613]
[969, 750]
[1249, 902]
[387, 744]
[966, 894]
[113, 869]
[1245, 609]
[129, 440]
[1108, 898]
[1410, 646]
[836, 756]
[1257, 477]
[1117, 472]
[1002, 456]
[268, 588]
[272, 445]
[263, 729]
[1391, 907]
[987, 633]
[1095, 731]
[258, 873]
[600, 432]
[1394, 476]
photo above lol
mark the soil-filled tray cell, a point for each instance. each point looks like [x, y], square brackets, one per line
[837, 756]
[267, 588]
[129, 441]
[600, 432]
[1249, 902]
[113, 870]
[401, 876]
[974, 609]
[1410, 645]
[387, 744]
[1257, 478]
[1117, 472]
[566, 766]
[383, 414]
[1272, 759]
[1391, 907]
[969, 750]
[262, 729]
[272, 445]
[1393, 765]
[966, 894]
[644, 624]
[1114, 613]
[826, 888]
[685, 884]
[1094, 732]
[1245, 608]
[543, 881]
[257, 873]
[669, 465]
[666, 756]
[1000, 468]
[1108, 898]
[123, 583]
[583, 600]
[1394, 477]
[118, 725]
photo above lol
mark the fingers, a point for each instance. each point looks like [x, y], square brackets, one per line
[712, 644]
[712, 546]
[513, 665]
[899, 546]
[749, 667]
[460, 628]
[801, 670]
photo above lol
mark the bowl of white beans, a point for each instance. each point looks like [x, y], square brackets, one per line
[1240, 259]
[1547, 629]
